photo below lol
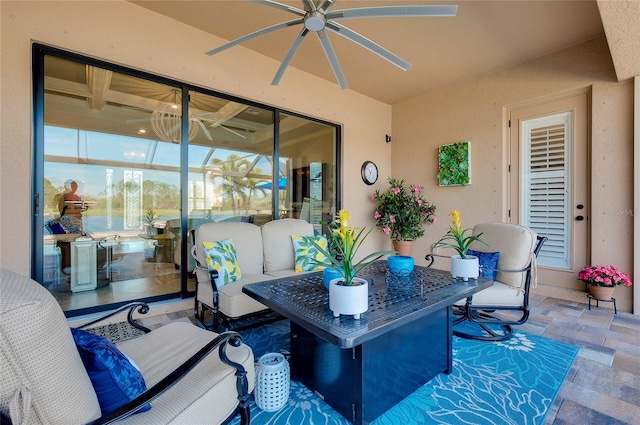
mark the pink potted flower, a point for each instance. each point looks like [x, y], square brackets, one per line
[602, 280]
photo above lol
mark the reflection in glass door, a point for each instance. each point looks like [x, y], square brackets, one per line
[111, 181]
[117, 161]
[309, 150]
[228, 161]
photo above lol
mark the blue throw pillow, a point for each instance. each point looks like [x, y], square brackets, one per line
[487, 260]
[114, 377]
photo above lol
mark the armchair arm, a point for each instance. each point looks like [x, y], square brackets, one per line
[530, 269]
[213, 274]
[143, 308]
[221, 342]
[431, 259]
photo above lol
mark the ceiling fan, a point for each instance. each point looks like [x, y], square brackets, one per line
[319, 18]
[166, 120]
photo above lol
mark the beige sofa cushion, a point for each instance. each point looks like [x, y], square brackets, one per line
[40, 369]
[277, 244]
[497, 295]
[206, 395]
[246, 238]
[515, 244]
[232, 301]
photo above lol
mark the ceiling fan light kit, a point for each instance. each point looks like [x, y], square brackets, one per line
[314, 21]
[318, 19]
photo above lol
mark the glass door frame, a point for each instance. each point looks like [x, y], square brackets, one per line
[39, 52]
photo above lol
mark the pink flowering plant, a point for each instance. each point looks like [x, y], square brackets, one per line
[402, 210]
[603, 276]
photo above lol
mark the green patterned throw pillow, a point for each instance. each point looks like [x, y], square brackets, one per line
[304, 250]
[221, 257]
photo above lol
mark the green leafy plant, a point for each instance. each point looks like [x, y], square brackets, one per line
[150, 217]
[454, 164]
[402, 210]
[456, 235]
[344, 242]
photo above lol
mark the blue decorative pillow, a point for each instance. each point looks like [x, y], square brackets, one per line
[487, 260]
[114, 377]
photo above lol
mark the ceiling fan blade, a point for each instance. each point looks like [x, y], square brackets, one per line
[217, 124]
[368, 44]
[254, 35]
[393, 11]
[309, 5]
[333, 59]
[287, 59]
[326, 5]
[214, 125]
[204, 130]
[233, 131]
[279, 6]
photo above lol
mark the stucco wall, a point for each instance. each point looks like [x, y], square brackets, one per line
[475, 111]
[126, 34]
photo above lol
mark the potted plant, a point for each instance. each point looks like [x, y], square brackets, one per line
[331, 272]
[602, 280]
[462, 265]
[150, 219]
[401, 212]
[348, 294]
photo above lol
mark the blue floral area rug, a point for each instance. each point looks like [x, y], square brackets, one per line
[513, 382]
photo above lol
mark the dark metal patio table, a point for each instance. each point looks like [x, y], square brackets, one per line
[364, 367]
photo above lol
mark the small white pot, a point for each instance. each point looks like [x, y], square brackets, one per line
[349, 300]
[465, 268]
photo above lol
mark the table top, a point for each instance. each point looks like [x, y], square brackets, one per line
[159, 236]
[393, 301]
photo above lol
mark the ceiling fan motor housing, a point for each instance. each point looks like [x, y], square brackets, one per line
[314, 21]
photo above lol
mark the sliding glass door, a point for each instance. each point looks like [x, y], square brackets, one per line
[110, 183]
[123, 177]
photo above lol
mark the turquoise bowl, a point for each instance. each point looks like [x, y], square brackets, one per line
[400, 265]
[328, 274]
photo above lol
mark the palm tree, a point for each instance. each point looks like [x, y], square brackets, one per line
[252, 185]
[234, 182]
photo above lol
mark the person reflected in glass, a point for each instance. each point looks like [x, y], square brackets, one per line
[71, 203]
[71, 207]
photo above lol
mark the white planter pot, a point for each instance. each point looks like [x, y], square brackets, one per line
[349, 300]
[465, 268]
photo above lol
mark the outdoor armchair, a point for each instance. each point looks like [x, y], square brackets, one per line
[191, 375]
[506, 303]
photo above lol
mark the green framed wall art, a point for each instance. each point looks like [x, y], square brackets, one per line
[454, 164]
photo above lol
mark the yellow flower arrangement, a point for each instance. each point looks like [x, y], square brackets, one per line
[456, 234]
[345, 242]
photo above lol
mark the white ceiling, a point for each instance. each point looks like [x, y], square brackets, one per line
[484, 37]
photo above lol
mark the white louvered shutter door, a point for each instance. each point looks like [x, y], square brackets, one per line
[546, 183]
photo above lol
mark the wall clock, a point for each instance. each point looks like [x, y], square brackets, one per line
[369, 172]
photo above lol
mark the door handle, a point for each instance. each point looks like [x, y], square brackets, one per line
[579, 218]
